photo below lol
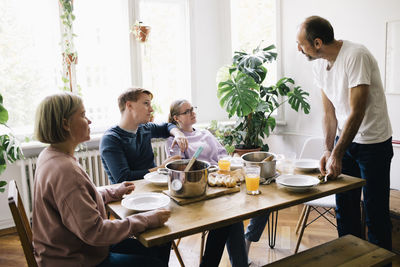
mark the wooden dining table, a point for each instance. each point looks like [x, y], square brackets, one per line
[224, 210]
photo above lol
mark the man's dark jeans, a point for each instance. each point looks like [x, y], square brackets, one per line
[372, 163]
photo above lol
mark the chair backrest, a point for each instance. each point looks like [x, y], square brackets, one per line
[313, 148]
[21, 222]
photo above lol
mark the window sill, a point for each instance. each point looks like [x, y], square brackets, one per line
[33, 148]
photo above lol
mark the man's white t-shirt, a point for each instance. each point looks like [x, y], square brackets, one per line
[354, 66]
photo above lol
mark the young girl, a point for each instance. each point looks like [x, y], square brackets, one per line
[182, 114]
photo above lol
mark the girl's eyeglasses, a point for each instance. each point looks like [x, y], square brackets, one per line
[189, 111]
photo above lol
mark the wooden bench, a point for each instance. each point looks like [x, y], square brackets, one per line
[395, 217]
[346, 251]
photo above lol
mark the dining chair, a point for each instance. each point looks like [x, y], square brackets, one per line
[313, 149]
[21, 222]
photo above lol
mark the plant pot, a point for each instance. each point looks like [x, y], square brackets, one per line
[141, 33]
[70, 58]
[242, 151]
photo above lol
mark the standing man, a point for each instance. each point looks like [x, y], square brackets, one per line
[356, 125]
[125, 149]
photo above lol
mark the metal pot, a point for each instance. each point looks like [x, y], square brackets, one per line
[188, 184]
[268, 168]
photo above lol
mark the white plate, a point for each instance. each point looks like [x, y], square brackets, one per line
[145, 201]
[306, 164]
[297, 182]
[156, 178]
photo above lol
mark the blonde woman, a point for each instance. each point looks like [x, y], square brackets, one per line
[69, 224]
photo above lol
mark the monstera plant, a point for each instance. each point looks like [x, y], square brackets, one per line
[242, 93]
[9, 146]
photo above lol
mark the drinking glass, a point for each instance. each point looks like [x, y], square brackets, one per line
[252, 177]
[224, 165]
[288, 163]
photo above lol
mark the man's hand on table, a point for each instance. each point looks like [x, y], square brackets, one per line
[330, 164]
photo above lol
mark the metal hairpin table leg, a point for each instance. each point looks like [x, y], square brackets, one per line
[272, 226]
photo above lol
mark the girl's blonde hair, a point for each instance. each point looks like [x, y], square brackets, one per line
[174, 110]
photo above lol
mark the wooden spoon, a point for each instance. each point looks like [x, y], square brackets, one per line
[193, 159]
[269, 158]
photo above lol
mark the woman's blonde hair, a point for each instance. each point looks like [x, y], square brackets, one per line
[174, 110]
[50, 115]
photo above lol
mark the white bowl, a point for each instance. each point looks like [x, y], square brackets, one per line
[157, 178]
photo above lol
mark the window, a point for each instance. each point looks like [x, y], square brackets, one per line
[253, 23]
[103, 71]
[110, 59]
[164, 58]
[30, 58]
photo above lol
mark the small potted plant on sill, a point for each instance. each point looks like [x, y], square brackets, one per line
[242, 93]
[140, 31]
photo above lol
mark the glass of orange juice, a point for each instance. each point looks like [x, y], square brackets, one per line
[252, 177]
[224, 165]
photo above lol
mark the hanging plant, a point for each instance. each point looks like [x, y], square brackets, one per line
[70, 56]
[140, 31]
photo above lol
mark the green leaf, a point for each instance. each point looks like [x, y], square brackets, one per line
[1, 99]
[265, 148]
[239, 96]
[3, 183]
[269, 48]
[298, 98]
[3, 114]
[270, 126]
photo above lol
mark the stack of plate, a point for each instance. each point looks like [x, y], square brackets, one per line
[156, 178]
[297, 183]
[306, 164]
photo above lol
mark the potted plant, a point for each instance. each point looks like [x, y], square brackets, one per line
[241, 92]
[9, 146]
[140, 31]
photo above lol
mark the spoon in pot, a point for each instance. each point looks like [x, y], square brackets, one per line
[193, 159]
[269, 158]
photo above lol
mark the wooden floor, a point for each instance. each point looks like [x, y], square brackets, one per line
[319, 232]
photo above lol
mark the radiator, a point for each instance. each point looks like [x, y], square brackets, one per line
[89, 160]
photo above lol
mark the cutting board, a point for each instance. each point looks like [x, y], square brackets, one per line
[211, 192]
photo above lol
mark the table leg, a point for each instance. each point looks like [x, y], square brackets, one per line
[178, 255]
[300, 219]
[203, 237]
[272, 226]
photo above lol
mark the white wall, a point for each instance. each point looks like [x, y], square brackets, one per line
[361, 21]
